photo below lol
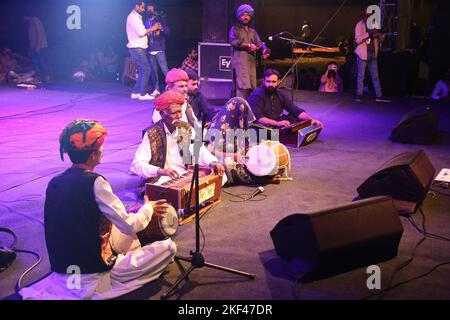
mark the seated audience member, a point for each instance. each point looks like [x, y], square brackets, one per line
[14, 72]
[441, 88]
[191, 62]
[331, 80]
[129, 72]
[2, 71]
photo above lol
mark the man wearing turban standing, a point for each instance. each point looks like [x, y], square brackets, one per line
[84, 222]
[245, 42]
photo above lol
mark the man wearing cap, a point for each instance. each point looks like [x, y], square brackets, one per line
[177, 80]
[245, 42]
[84, 220]
[167, 147]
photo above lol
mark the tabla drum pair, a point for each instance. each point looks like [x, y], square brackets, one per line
[268, 159]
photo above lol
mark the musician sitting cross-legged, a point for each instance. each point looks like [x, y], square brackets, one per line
[177, 80]
[268, 104]
[84, 224]
[229, 139]
[167, 149]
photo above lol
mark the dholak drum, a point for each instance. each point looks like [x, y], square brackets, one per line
[160, 228]
[268, 158]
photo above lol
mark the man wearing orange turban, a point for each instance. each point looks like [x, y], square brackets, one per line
[166, 149]
[84, 222]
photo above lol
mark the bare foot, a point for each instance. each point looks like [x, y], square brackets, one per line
[276, 179]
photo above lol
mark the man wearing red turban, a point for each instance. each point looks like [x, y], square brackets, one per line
[84, 223]
[167, 147]
[177, 80]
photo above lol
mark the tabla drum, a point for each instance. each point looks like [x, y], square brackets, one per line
[160, 228]
[268, 158]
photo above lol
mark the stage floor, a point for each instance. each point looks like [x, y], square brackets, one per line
[352, 146]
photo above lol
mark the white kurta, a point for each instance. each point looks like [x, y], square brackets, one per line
[174, 161]
[134, 267]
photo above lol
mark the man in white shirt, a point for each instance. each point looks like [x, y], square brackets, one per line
[167, 147]
[137, 46]
[177, 79]
[85, 221]
[37, 40]
[367, 39]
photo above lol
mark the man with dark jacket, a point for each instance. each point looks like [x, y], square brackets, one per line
[197, 100]
[157, 45]
[268, 104]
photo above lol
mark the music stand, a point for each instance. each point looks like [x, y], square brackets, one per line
[197, 259]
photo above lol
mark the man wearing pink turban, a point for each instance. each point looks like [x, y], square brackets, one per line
[177, 80]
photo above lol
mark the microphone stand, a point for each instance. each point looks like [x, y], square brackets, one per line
[197, 259]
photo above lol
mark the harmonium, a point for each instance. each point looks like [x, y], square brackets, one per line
[299, 134]
[177, 192]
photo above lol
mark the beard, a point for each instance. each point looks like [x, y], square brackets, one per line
[270, 90]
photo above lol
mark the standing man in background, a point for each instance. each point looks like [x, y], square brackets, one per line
[367, 40]
[37, 40]
[137, 46]
[157, 45]
[306, 31]
[246, 43]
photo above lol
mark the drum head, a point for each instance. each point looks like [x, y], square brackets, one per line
[261, 161]
[169, 224]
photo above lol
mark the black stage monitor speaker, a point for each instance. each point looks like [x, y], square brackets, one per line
[420, 126]
[327, 242]
[215, 20]
[406, 177]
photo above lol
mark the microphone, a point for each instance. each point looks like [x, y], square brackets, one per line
[256, 192]
[276, 35]
[191, 209]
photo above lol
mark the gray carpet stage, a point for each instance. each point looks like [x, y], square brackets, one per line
[352, 146]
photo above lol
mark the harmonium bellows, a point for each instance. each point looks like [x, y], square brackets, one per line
[176, 191]
[299, 134]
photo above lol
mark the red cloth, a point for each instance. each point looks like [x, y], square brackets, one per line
[175, 75]
[168, 98]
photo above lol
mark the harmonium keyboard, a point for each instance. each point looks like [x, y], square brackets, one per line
[176, 191]
[299, 134]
